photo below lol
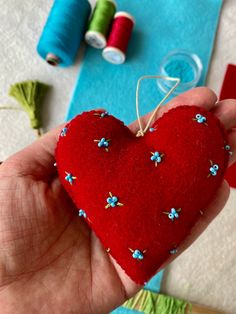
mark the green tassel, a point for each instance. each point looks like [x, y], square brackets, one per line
[148, 302]
[30, 94]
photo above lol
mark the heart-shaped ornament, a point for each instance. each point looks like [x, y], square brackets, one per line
[142, 195]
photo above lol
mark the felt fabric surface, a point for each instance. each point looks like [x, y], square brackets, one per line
[231, 176]
[154, 284]
[228, 91]
[160, 28]
[147, 190]
[123, 310]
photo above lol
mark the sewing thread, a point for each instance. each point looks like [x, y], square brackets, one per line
[119, 37]
[64, 31]
[142, 130]
[100, 22]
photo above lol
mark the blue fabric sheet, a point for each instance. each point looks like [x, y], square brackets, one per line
[122, 310]
[161, 26]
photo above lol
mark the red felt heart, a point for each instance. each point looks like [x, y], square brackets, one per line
[158, 201]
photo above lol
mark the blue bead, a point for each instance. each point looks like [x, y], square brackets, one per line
[104, 114]
[171, 216]
[174, 213]
[63, 132]
[103, 143]
[228, 148]
[214, 169]
[138, 255]
[70, 178]
[112, 201]
[200, 118]
[82, 213]
[156, 156]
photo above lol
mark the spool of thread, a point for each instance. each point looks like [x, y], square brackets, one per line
[64, 31]
[118, 40]
[100, 23]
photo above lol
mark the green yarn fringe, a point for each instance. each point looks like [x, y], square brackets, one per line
[148, 302]
[30, 94]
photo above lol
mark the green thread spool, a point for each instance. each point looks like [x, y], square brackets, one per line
[99, 24]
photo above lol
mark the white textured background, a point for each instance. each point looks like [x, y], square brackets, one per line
[206, 273]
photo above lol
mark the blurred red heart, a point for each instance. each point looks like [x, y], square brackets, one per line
[142, 195]
[228, 91]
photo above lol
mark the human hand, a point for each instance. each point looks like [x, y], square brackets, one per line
[50, 261]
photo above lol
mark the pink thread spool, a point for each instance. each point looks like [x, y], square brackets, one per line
[118, 40]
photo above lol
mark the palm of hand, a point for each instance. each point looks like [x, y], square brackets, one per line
[49, 254]
[50, 261]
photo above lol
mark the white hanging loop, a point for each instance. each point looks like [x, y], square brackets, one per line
[142, 131]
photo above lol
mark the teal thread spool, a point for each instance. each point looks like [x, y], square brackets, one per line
[100, 22]
[63, 31]
[181, 64]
